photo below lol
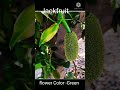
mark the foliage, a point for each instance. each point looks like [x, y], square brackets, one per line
[46, 28]
[17, 32]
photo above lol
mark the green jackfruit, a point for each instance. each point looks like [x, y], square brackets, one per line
[94, 48]
[56, 74]
[71, 46]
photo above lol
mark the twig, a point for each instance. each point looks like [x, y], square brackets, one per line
[75, 69]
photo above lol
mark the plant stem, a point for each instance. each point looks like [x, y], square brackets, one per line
[59, 21]
[75, 69]
[66, 26]
[60, 16]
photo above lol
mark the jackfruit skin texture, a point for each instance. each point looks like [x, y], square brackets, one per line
[94, 48]
[71, 46]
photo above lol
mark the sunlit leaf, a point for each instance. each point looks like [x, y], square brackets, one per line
[38, 65]
[49, 33]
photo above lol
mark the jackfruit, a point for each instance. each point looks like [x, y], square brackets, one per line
[71, 46]
[94, 48]
[56, 74]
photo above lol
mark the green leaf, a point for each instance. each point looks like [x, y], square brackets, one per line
[37, 26]
[39, 17]
[49, 33]
[46, 72]
[52, 67]
[70, 75]
[67, 64]
[37, 34]
[43, 62]
[24, 26]
[38, 65]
